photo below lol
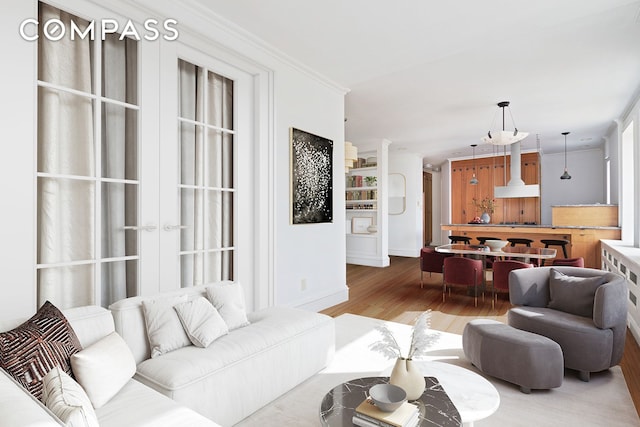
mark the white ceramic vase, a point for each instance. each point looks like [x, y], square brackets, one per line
[485, 218]
[407, 375]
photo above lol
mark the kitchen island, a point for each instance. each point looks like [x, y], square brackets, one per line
[584, 240]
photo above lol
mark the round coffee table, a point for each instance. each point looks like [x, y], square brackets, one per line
[472, 396]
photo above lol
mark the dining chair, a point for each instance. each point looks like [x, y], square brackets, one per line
[501, 271]
[573, 262]
[431, 261]
[460, 271]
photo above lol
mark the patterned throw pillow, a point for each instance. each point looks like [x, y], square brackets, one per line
[31, 350]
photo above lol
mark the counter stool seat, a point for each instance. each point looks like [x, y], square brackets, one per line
[481, 240]
[460, 239]
[556, 242]
[519, 241]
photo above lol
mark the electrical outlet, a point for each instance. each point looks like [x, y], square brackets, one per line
[303, 285]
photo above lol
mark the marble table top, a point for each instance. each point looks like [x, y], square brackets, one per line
[436, 409]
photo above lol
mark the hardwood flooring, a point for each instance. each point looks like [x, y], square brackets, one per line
[394, 294]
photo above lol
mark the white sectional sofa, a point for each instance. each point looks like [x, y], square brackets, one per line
[134, 405]
[239, 372]
[219, 385]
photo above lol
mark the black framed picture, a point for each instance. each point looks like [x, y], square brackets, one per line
[311, 178]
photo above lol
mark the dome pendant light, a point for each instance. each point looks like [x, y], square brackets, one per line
[474, 180]
[565, 175]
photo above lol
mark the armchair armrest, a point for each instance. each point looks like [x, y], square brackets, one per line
[610, 304]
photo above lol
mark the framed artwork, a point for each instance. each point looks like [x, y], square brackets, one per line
[311, 187]
[360, 225]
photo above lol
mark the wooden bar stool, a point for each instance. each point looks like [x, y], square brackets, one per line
[460, 239]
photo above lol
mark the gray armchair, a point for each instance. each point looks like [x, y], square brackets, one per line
[584, 310]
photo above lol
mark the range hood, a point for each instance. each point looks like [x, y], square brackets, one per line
[516, 186]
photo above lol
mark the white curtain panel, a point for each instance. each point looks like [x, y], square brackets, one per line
[65, 146]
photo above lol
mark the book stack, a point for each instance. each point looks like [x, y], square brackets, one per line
[368, 415]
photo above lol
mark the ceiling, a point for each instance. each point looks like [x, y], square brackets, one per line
[427, 75]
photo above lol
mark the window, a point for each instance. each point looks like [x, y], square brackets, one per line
[206, 133]
[87, 168]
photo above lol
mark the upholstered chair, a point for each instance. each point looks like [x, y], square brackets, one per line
[462, 271]
[431, 262]
[501, 271]
[573, 262]
[584, 310]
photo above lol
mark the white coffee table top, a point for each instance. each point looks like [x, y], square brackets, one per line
[474, 397]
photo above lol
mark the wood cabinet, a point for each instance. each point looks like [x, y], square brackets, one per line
[492, 172]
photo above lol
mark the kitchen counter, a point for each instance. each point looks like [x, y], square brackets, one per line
[584, 241]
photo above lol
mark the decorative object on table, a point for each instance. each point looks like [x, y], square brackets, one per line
[487, 206]
[405, 374]
[372, 228]
[311, 178]
[368, 413]
[387, 397]
[496, 245]
[565, 175]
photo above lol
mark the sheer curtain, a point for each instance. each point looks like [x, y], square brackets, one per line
[69, 177]
[65, 156]
[206, 171]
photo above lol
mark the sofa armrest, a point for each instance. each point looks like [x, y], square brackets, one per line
[19, 408]
[529, 286]
[610, 304]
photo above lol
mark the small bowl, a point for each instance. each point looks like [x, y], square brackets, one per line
[387, 397]
[496, 244]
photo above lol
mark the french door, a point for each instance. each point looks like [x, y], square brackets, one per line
[144, 172]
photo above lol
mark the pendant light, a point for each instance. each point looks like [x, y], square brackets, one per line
[565, 175]
[474, 180]
[504, 137]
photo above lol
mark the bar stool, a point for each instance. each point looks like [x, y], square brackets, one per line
[522, 241]
[458, 239]
[484, 239]
[557, 242]
[519, 241]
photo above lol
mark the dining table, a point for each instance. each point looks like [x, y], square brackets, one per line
[525, 252]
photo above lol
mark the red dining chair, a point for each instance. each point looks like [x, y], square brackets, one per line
[431, 261]
[501, 271]
[573, 262]
[462, 271]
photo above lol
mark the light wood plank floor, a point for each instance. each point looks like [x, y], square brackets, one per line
[394, 294]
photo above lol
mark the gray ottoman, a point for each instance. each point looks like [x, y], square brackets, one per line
[520, 357]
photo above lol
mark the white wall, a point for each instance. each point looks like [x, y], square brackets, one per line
[405, 230]
[17, 213]
[586, 186]
[295, 97]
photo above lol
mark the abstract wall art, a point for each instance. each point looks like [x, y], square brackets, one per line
[311, 178]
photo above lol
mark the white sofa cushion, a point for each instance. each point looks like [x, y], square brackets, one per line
[104, 368]
[65, 398]
[140, 406]
[201, 321]
[228, 299]
[164, 330]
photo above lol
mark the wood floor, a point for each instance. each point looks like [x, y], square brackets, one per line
[394, 294]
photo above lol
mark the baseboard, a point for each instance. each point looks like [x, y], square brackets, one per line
[408, 253]
[368, 261]
[322, 302]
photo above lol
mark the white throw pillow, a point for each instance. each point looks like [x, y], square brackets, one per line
[103, 368]
[228, 299]
[201, 321]
[67, 400]
[164, 329]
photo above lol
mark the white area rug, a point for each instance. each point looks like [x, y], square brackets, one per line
[604, 401]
